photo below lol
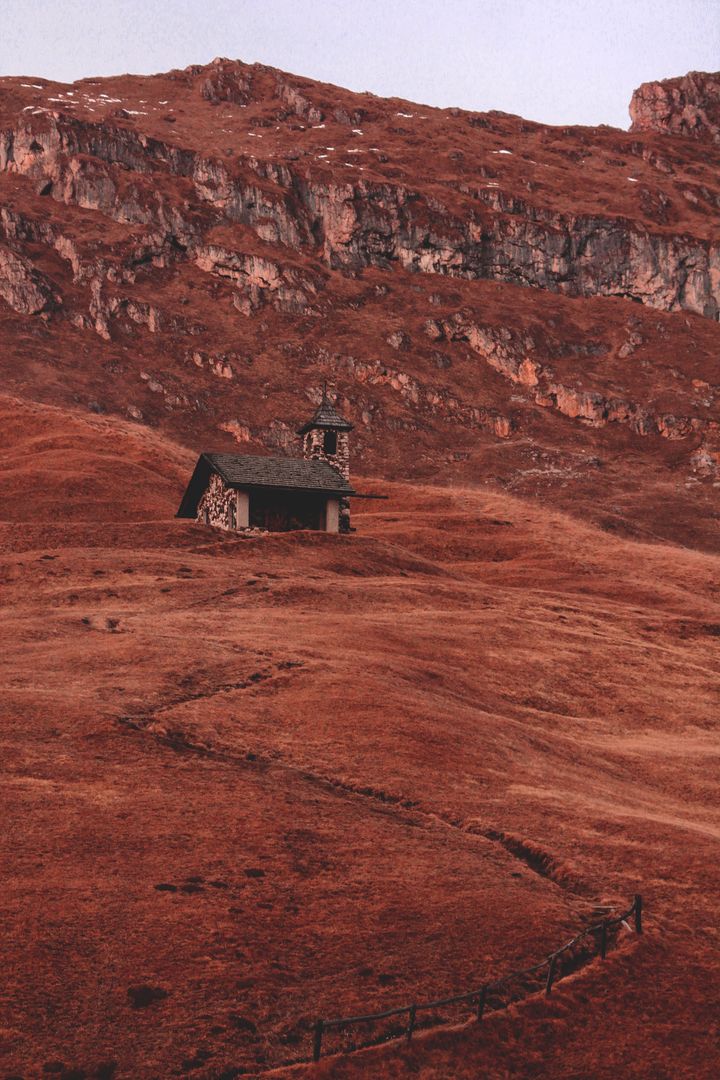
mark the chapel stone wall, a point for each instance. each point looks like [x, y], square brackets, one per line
[216, 505]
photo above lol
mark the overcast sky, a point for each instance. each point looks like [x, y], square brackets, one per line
[558, 61]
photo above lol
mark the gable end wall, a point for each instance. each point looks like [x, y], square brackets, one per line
[217, 500]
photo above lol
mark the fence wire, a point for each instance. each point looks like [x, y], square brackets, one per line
[355, 1032]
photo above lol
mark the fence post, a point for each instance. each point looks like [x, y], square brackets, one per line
[550, 974]
[603, 939]
[411, 1022]
[638, 913]
[317, 1040]
[482, 998]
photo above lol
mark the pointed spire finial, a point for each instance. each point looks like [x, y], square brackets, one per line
[326, 416]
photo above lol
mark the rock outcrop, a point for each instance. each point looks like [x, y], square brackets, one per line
[428, 399]
[515, 357]
[685, 106]
[258, 280]
[21, 286]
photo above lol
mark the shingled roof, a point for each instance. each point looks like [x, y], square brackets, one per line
[243, 470]
[248, 471]
[326, 416]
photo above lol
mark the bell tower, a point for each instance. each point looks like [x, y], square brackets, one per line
[326, 437]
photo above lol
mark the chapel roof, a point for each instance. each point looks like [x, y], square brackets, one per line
[284, 472]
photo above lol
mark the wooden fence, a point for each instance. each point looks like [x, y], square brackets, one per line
[593, 940]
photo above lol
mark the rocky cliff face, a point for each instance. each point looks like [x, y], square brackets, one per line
[686, 106]
[201, 250]
[480, 232]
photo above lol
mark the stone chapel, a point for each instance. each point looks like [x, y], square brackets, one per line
[279, 494]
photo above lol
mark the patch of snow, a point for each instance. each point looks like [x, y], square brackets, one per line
[357, 131]
[162, 102]
[633, 179]
[319, 156]
[254, 134]
[501, 151]
[354, 151]
[329, 147]
[316, 126]
[32, 86]
[407, 115]
[28, 107]
[136, 112]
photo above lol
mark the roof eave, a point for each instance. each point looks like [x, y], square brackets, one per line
[239, 485]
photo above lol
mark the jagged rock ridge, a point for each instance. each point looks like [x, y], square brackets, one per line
[685, 106]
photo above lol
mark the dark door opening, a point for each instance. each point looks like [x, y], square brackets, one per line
[280, 511]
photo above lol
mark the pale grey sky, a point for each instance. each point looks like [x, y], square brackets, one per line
[559, 61]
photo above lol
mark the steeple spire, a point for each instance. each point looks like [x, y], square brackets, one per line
[326, 417]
